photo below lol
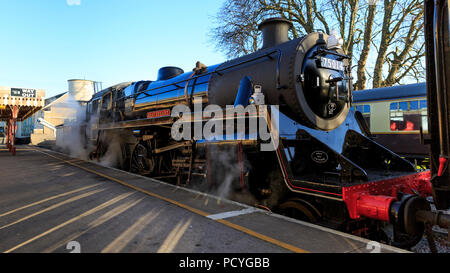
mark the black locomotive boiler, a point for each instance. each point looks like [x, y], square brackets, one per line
[324, 169]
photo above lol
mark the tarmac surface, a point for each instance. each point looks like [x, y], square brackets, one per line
[50, 202]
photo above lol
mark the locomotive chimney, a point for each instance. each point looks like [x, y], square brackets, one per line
[275, 31]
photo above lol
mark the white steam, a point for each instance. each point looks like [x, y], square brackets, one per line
[69, 136]
[74, 138]
[226, 170]
[226, 166]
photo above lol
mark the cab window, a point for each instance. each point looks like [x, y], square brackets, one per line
[107, 101]
[93, 106]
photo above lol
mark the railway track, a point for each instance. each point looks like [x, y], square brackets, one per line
[441, 240]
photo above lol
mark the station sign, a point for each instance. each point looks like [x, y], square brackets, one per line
[21, 92]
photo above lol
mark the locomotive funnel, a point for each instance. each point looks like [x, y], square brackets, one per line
[275, 31]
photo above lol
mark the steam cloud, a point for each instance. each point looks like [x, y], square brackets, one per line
[73, 2]
[223, 181]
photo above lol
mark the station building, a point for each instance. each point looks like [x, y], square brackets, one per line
[17, 106]
[38, 117]
[60, 109]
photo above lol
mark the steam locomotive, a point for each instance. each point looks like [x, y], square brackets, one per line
[323, 169]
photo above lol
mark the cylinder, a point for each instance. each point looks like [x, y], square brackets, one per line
[374, 207]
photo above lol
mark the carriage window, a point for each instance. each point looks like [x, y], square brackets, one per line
[394, 106]
[403, 106]
[408, 116]
[414, 105]
[365, 111]
[423, 104]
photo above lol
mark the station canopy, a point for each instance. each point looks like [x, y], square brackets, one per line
[26, 101]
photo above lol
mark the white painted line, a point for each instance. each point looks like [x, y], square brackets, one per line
[230, 214]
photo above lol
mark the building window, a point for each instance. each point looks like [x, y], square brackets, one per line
[408, 116]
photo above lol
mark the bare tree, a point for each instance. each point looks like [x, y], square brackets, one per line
[385, 41]
[237, 31]
[401, 28]
[367, 39]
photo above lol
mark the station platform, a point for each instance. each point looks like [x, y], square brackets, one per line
[50, 202]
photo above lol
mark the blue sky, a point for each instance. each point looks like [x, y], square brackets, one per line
[43, 43]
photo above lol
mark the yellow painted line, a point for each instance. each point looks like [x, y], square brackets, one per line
[73, 199]
[263, 237]
[73, 161]
[89, 212]
[47, 199]
[196, 211]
